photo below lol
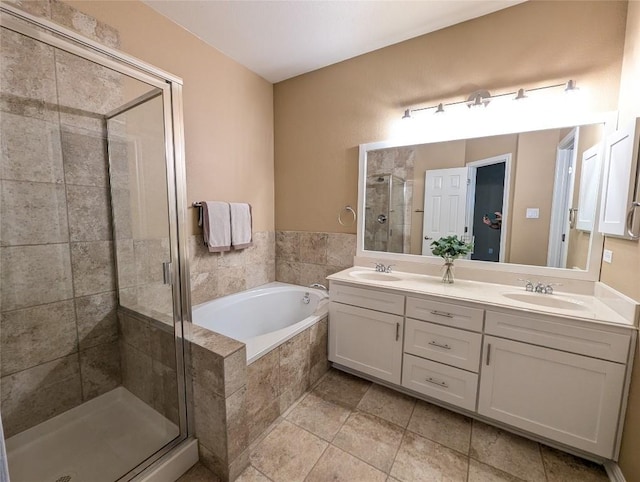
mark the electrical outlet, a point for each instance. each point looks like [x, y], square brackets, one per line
[607, 255]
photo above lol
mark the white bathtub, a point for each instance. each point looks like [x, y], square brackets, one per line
[263, 317]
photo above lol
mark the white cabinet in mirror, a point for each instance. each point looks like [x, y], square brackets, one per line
[527, 198]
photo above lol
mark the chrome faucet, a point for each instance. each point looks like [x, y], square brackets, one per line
[528, 284]
[318, 286]
[539, 287]
[381, 268]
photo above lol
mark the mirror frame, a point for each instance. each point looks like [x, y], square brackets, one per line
[474, 129]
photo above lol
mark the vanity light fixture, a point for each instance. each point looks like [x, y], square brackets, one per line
[482, 98]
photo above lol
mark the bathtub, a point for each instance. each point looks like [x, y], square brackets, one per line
[264, 317]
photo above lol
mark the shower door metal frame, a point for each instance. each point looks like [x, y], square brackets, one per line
[62, 38]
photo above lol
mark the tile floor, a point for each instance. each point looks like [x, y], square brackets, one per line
[348, 429]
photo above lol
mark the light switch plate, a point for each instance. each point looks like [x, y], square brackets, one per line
[607, 256]
[533, 213]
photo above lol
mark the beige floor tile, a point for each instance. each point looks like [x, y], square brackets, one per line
[388, 404]
[198, 473]
[441, 425]
[479, 472]
[319, 417]
[342, 388]
[420, 459]
[288, 453]
[250, 474]
[336, 465]
[370, 438]
[561, 466]
[508, 452]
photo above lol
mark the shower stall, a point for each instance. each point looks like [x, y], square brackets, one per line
[93, 274]
[385, 227]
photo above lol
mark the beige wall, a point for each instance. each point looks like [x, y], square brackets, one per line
[228, 110]
[624, 273]
[321, 117]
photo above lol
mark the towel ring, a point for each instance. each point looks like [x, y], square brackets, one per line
[347, 209]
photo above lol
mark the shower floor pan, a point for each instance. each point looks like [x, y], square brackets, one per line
[98, 441]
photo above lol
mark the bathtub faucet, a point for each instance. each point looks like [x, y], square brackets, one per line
[319, 286]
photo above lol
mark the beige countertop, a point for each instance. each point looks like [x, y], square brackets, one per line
[583, 307]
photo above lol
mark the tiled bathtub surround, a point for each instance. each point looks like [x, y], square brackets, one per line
[305, 257]
[219, 274]
[58, 305]
[278, 378]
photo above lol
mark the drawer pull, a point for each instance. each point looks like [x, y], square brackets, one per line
[441, 313]
[435, 343]
[397, 331]
[435, 381]
[488, 353]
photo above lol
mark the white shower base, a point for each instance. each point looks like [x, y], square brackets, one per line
[98, 441]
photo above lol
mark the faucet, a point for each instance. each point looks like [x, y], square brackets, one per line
[528, 284]
[539, 287]
[318, 286]
[381, 268]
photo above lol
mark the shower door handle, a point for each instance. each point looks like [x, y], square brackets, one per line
[166, 273]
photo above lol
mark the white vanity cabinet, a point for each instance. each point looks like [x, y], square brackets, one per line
[568, 390]
[366, 330]
[442, 351]
[558, 378]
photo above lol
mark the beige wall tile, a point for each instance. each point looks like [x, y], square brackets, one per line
[288, 246]
[135, 332]
[100, 369]
[341, 248]
[136, 372]
[287, 271]
[39, 393]
[89, 213]
[70, 17]
[263, 383]
[30, 148]
[33, 213]
[210, 417]
[163, 344]
[36, 335]
[294, 364]
[35, 275]
[313, 247]
[237, 424]
[96, 318]
[27, 75]
[93, 267]
[85, 157]
[165, 392]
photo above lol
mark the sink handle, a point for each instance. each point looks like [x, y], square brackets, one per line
[528, 284]
[548, 289]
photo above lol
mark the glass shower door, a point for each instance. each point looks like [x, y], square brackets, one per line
[92, 379]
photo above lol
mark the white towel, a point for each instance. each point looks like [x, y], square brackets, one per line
[240, 225]
[216, 226]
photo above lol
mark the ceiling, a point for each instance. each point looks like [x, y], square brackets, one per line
[281, 39]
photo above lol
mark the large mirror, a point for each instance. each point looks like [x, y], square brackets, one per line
[527, 198]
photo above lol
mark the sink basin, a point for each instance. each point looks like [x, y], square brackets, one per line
[548, 301]
[374, 276]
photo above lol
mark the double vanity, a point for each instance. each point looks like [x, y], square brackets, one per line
[555, 367]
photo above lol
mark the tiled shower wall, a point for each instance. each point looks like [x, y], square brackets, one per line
[306, 257]
[58, 302]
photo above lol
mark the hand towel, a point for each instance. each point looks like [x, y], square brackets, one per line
[216, 226]
[240, 225]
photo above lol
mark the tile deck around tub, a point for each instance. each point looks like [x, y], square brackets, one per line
[348, 429]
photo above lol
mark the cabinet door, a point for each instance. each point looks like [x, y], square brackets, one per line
[619, 179]
[366, 340]
[569, 398]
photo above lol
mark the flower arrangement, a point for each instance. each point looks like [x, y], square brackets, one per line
[450, 248]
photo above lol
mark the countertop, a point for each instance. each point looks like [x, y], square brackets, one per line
[582, 307]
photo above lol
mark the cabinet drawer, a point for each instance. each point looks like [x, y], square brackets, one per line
[445, 314]
[368, 298]
[443, 344]
[560, 334]
[439, 381]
